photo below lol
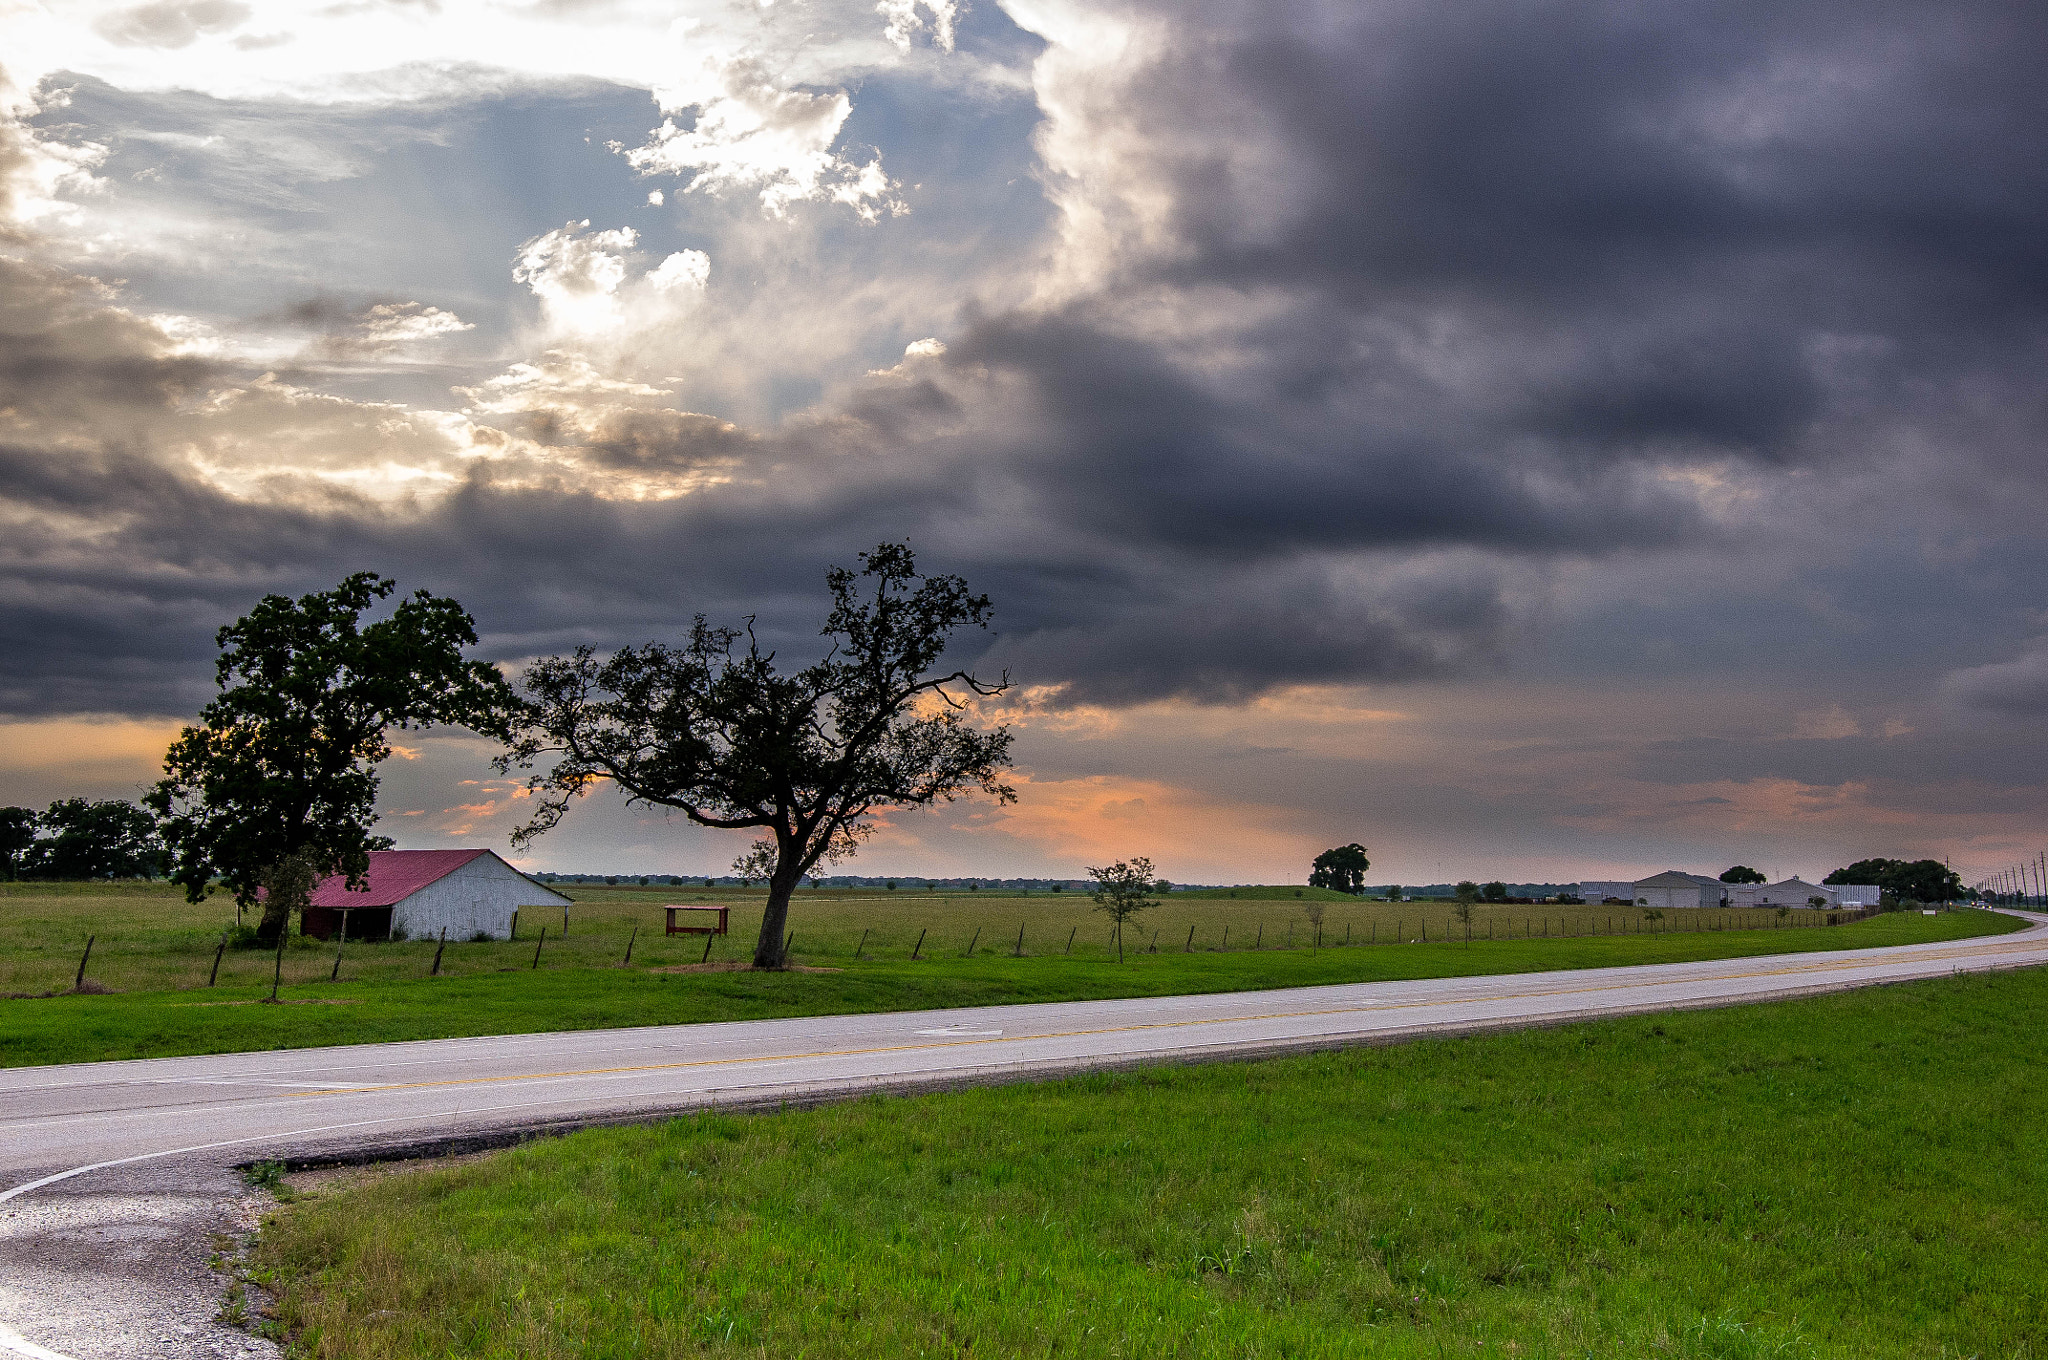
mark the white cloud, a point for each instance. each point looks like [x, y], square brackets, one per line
[576, 277]
[684, 269]
[170, 23]
[747, 133]
[906, 23]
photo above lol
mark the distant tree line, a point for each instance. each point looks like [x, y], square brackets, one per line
[80, 838]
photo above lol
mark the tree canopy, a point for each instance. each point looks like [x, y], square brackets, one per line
[715, 729]
[1742, 873]
[1342, 869]
[277, 785]
[106, 838]
[1920, 880]
[18, 827]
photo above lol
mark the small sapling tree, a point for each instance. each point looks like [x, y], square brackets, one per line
[1121, 891]
[1342, 869]
[1467, 898]
[277, 786]
[716, 730]
[1315, 909]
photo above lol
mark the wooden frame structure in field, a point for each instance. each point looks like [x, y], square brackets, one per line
[700, 914]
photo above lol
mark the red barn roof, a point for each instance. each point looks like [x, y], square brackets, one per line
[394, 876]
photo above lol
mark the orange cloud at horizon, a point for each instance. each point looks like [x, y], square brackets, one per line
[1096, 819]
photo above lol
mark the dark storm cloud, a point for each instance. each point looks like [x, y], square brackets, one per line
[2005, 689]
[1447, 295]
[1655, 210]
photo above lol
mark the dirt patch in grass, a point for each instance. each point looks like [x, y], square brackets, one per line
[739, 966]
[266, 1001]
[85, 988]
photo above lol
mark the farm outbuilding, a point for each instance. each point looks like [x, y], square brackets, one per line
[420, 893]
[1790, 892]
[1674, 888]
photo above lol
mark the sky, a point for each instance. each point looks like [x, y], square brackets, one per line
[1535, 440]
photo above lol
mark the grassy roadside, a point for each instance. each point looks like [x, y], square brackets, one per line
[569, 991]
[1853, 1175]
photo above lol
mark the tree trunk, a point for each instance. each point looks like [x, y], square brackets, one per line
[286, 886]
[768, 949]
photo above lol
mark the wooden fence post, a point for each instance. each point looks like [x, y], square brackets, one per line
[973, 942]
[435, 971]
[216, 958]
[863, 941]
[630, 941]
[1262, 936]
[920, 944]
[1189, 948]
[1018, 953]
[79, 981]
[537, 946]
[1070, 938]
[709, 939]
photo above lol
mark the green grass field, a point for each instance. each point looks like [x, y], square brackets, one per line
[154, 951]
[1852, 1176]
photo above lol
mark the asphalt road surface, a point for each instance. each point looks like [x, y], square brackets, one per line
[173, 1128]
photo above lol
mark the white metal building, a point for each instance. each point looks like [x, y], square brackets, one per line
[1676, 889]
[1790, 892]
[418, 894]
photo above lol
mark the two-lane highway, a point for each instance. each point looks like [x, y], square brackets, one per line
[312, 1101]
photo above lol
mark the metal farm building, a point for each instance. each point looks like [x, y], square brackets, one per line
[420, 893]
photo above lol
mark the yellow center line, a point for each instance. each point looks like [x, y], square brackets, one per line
[2003, 947]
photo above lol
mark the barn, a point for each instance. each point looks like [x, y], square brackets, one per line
[414, 894]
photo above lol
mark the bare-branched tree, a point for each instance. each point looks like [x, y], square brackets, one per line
[716, 731]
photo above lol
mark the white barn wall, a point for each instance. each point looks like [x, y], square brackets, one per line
[479, 897]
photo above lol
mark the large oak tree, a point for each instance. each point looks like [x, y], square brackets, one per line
[715, 729]
[277, 785]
